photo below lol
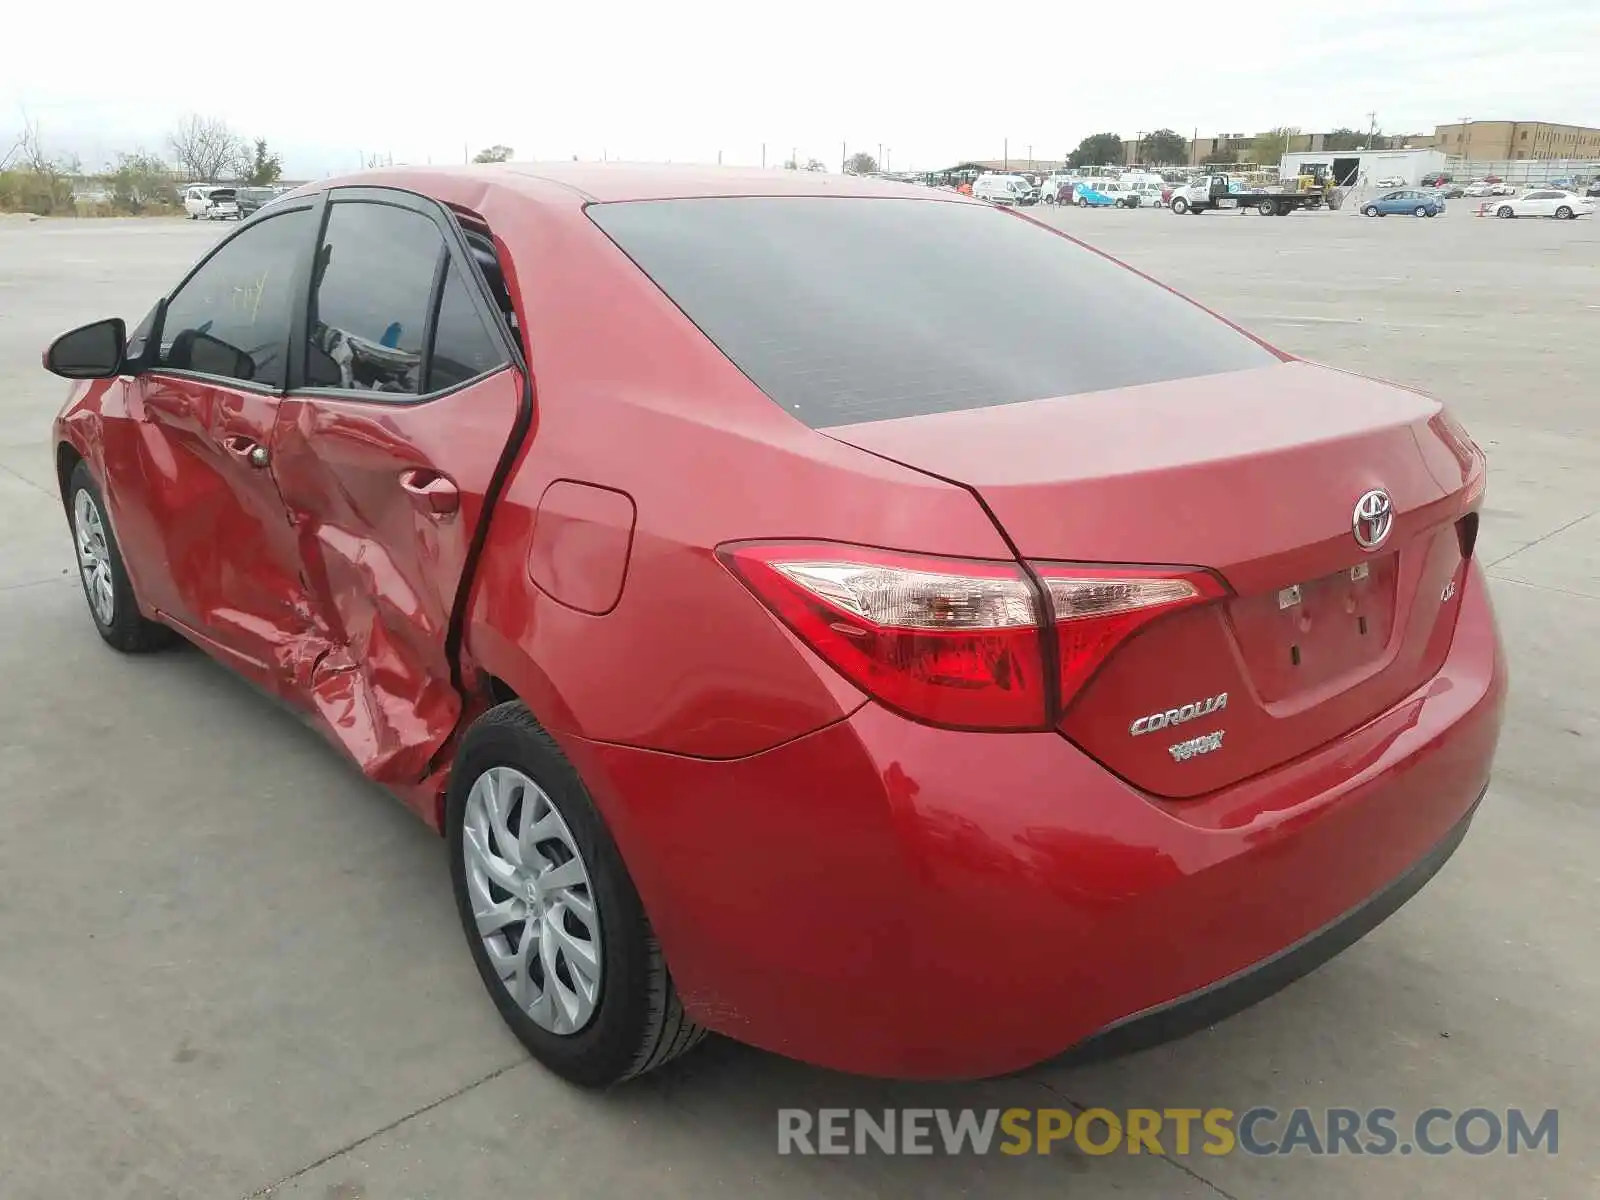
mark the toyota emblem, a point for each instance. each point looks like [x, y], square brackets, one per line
[1374, 518]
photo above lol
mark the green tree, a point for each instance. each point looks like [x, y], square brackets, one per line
[1270, 147]
[860, 163]
[1345, 138]
[1164, 148]
[495, 153]
[141, 181]
[1097, 149]
[264, 168]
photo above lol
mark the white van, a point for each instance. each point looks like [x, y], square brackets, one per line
[1004, 189]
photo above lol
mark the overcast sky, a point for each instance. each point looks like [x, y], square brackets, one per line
[932, 83]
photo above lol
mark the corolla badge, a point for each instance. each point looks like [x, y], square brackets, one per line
[1177, 716]
[1373, 519]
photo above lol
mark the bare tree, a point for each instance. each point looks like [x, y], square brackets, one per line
[36, 182]
[206, 147]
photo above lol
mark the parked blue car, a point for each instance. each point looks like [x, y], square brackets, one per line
[1407, 200]
[1088, 197]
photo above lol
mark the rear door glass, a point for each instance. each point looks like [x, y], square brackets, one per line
[860, 309]
[373, 291]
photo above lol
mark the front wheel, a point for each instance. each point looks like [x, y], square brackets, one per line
[556, 929]
[1506, 212]
[1180, 205]
[1564, 213]
[1371, 210]
[106, 586]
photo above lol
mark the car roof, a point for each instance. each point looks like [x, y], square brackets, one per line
[586, 183]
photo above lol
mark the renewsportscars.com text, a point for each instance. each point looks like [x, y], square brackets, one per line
[1216, 1131]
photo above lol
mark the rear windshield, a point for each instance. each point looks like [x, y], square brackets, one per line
[852, 309]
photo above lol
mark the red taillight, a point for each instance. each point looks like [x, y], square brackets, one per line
[952, 642]
[959, 642]
[1097, 608]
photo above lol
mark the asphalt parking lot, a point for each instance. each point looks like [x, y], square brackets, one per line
[230, 968]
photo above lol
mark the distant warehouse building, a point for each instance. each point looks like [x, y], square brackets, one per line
[1503, 141]
[1353, 167]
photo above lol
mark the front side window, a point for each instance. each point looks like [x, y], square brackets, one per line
[370, 299]
[231, 318]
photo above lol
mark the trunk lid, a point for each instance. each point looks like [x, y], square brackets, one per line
[1253, 475]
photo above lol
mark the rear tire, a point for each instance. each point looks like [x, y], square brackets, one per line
[1564, 213]
[636, 1022]
[106, 588]
[1423, 211]
[1266, 208]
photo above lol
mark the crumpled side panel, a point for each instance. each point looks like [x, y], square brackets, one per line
[382, 566]
[384, 685]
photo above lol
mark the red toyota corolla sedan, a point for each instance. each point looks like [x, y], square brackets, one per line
[795, 628]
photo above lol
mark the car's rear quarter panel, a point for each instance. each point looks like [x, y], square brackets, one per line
[630, 396]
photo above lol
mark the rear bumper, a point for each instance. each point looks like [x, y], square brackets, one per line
[1210, 1004]
[896, 900]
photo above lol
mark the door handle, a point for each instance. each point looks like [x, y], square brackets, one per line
[431, 492]
[247, 448]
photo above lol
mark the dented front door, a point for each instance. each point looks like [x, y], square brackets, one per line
[202, 415]
[386, 459]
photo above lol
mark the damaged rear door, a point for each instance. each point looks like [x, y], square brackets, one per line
[398, 431]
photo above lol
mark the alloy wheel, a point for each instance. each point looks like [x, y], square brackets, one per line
[531, 897]
[94, 557]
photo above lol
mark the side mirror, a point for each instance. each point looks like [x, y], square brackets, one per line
[89, 352]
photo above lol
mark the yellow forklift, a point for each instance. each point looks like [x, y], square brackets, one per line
[1314, 180]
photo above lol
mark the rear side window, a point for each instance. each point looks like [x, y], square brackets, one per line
[370, 301]
[857, 309]
[463, 347]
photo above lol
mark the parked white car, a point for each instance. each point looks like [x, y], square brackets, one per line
[1392, 181]
[1546, 202]
[211, 203]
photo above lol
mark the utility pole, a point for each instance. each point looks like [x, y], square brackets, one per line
[887, 151]
[1466, 139]
[763, 156]
[1005, 155]
[844, 155]
[1030, 158]
[1373, 129]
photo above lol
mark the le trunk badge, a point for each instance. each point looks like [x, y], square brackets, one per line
[1288, 597]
